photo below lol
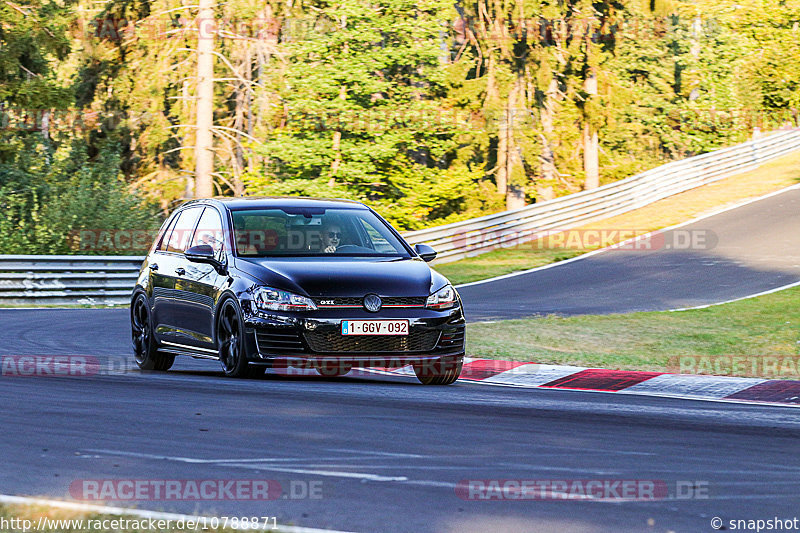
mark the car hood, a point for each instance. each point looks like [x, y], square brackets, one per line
[344, 276]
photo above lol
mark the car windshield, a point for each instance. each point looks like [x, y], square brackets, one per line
[292, 232]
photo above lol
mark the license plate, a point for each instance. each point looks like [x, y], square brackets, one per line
[374, 327]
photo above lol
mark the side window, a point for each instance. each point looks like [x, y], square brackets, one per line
[379, 242]
[209, 230]
[259, 232]
[162, 245]
[181, 234]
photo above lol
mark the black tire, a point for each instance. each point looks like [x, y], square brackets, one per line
[442, 372]
[230, 340]
[145, 347]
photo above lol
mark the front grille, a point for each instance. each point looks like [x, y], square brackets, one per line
[334, 341]
[278, 342]
[405, 300]
[358, 301]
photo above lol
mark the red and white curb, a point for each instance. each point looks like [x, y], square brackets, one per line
[688, 386]
[700, 387]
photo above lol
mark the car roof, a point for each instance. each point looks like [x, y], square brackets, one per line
[256, 202]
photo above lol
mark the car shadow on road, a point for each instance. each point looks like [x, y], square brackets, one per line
[311, 378]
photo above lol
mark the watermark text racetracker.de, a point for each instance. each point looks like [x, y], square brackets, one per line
[581, 489]
[72, 366]
[477, 241]
[624, 239]
[129, 490]
[762, 366]
[51, 121]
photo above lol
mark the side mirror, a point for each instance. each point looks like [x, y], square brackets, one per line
[427, 253]
[202, 253]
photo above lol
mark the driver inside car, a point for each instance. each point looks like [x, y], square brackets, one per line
[331, 238]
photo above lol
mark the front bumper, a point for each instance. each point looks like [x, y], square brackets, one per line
[314, 338]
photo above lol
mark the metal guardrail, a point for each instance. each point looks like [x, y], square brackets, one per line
[107, 280]
[478, 235]
[67, 279]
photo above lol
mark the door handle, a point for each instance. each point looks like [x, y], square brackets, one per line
[180, 271]
[154, 266]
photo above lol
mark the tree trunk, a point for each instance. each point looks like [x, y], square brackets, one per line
[502, 153]
[591, 144]
[240, 123]
[337, 144]
[204, 148]
[515, 170]
[494, 111]
[591, 165]
[548, 160]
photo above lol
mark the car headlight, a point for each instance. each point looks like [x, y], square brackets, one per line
[269, 299]
[444, 298]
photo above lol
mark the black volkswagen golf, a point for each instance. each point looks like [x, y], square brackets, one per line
[294, 282]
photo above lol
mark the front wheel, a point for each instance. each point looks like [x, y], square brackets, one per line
[230, 340]
[145, 349]
[439, 372]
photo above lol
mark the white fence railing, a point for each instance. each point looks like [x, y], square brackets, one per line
[67, 279]
[59, 280]
[478, 235]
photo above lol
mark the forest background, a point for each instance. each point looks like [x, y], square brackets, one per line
[113, 113]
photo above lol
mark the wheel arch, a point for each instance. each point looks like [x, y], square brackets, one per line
[137, 290]
[225, 296]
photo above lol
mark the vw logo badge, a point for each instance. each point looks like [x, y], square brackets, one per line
[372, 302]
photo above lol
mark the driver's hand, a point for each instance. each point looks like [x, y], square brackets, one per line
[330, 249]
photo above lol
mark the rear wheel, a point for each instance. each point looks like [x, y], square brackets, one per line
[230, 340]
[441, 372]
[145, 349]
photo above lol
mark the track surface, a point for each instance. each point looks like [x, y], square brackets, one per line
[747, 250]
[358, 438]
[389, 453]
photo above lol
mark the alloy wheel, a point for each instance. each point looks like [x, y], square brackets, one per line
[140, 330]
[229, 336]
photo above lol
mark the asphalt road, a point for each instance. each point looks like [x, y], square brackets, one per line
[743, 251]
[382, 455]
[387, 455]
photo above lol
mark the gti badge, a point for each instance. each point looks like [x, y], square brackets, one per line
[372, 303]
